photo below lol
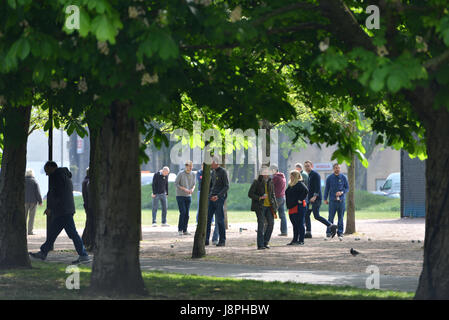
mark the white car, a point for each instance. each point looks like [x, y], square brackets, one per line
[392, 186]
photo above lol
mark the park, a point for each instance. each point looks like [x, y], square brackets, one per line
[325, 93]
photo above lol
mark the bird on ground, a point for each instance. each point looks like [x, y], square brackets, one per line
[354, 252]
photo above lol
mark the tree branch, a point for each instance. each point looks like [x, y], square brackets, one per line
[289, 8]
[434, 63]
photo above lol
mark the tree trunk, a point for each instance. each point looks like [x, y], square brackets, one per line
[90, 227]
[13, 237]
[434, 282]
[199, 249]
[350, 216]
[116, 266]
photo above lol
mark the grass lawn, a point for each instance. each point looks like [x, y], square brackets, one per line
[47, 281]
[233, 217]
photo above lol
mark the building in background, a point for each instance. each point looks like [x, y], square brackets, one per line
[37, 154]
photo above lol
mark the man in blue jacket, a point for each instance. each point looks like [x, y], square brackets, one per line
[314, 200]
[336, 187]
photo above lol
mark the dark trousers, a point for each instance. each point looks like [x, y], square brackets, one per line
[316, 214]
[265, 224]
[216, 207]
[56, 225]
[184, 207]
[297, 220]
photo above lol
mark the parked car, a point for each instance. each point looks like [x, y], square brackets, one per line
[392, 186]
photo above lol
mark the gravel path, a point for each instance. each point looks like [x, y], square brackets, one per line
[384, 243]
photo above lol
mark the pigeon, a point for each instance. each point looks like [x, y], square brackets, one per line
[354, 252]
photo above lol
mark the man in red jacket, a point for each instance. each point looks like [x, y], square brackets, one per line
[279, 190]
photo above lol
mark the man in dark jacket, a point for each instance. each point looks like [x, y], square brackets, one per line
[32, 198]
[314, 200]
[264, 204]
[219, 185]
[61, 207]
[160, 193]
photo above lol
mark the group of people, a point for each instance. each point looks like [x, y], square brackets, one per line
[269, 195]
[185, 184]
[302, 197]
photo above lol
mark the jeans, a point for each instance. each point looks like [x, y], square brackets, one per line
[265, 224]
[31, 208]
[297, 220]
[281, 211]
[216, 207]
[215, 235]
[57, 224]
[339, 208]
[316, 214]
[184, 207]
[163, 199]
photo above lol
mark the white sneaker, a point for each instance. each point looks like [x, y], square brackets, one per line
[180, 233]
[165, 225]
[340, 238]
[154, 224]
[187, 233]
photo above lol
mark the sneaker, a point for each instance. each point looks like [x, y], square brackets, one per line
[206, 244]
[154, 224]
[333, 229]
[215, 242]
[308, 235]
[165, 225]
[267, 246]
[38, 255]
[292, 243]
[82, 259]
[221, 244]
[340, 238]
[31, 233]
[300, 243]
[282, 235]
[261, 248]
[186, 233]
[180, 233]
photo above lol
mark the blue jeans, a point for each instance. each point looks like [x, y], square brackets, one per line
[215, 235]
[216, 207]
[163, 199]
[264, 231]
[297, 220]
[56, 225]
[339, 208]
[316, 214]
[281, 211]
[184, 207]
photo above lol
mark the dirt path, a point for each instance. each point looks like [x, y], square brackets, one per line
[390, 247]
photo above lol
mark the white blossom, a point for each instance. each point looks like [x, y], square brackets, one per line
[103, 47]
[324, 45]
[82, 85]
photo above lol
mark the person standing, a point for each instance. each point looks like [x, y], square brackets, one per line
[279, 190]
[305, 176]
[314, 200]
[85, 190]
[264, 204]
[32, 198]
[160, 193]
[296, 195]
[185, 184]
[219, 186]
[336, 187]
[61, 207]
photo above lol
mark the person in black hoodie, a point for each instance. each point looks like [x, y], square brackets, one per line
[61, 206]
[295, 196]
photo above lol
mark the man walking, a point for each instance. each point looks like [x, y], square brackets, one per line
[314, 200]
[32, 198]
[279, 190]
[185, 184]
[160, 193]
[219, 185]
[336, 187]
[305, 176]
[61, 207]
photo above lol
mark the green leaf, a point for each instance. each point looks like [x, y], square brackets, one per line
[104, 29]
[23, 48]
[12, 3]
[168, 48]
